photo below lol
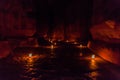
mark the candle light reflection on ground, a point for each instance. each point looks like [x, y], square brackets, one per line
[57, 63]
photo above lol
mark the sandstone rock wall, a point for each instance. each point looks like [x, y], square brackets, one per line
[109, 52]
[14, 20]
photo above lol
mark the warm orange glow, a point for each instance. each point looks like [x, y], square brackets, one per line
[75, 42]
[93, 64]
[30, 55]
[55, 43]
[67, 40]
[93, 56]
[30, 58]
[88, 44]
[110, 24]
[109, 55]
[51, 41]
[94, 75]
[52, 46]
[81, 54]
[81, 46]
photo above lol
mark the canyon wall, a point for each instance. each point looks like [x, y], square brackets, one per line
[106, 41]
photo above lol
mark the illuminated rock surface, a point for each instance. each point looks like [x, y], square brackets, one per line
[106, 31]
[106, 42]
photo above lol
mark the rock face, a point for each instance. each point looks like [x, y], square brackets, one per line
[108, 31]
[14, 20]
[4, 49]
[105, 10]
[106, 41]
[109, 52]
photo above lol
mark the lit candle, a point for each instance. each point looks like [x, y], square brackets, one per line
[30, 55]
[67, 41]
[54, 43]
[93, 56]
[80, 45]
[51, 41]
[52, 46]
[75, 42]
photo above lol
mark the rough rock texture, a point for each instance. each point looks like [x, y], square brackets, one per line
[15, 24]
[108, 51]
[4, 49]
[14, 20]
[108, 31]
[106, 41]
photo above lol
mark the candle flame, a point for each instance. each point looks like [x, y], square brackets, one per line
[80, 45]
[30, 55]
[52, 46]
[93, 56]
